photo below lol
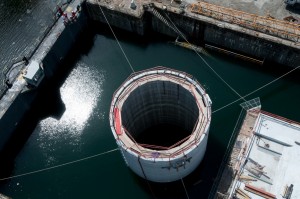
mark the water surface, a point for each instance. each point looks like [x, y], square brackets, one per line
[83, 128]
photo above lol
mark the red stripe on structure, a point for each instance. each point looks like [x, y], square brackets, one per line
[261, 192]
[117, 121]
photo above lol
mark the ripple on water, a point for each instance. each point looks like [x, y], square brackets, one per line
[80, 93]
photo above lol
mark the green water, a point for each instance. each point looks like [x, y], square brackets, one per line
[83, 129]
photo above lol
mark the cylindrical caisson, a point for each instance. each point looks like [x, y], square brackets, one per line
[160, 119]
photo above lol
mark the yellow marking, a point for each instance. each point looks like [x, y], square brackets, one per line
[69, 9]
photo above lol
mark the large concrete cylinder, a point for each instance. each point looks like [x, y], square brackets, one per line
[160, 119]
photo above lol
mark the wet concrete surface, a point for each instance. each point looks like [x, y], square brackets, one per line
[274, 8]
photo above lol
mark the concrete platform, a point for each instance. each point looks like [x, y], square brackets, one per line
[273, 8]
[267, 165]
[276, 150]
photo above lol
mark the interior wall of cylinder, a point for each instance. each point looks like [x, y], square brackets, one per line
[159, 103]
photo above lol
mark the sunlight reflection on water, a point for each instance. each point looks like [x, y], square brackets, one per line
[80, 93]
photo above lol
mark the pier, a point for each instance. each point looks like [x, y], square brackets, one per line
[263, 158]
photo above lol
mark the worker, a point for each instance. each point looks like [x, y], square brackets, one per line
[73, 15]
[65, 18]
[59, 11]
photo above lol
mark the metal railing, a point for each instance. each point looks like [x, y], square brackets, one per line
[268, 25]
[280, 117]
[148, 154]
[226, 156]
[201, 124]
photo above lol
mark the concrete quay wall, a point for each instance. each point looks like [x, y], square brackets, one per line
[116, 18]
[253, 46]
[201, 30]
[233, 38]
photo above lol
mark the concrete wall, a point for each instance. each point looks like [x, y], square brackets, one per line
[63, 45]
[253, 46]
[117, 19]
[201, 32]
[13, 116]
[189, 27]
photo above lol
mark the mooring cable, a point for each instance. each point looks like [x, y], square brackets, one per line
[152, 192]
[116, 39]
[186, 193]
[225, 156]
[241, 97]
[215, 72]
[254, 91]
[60, 165]
[132, 71]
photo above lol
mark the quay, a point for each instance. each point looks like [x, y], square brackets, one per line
[260, 32]
[264, 159]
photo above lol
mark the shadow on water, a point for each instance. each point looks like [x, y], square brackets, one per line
[268, 67]
[278, 70]
[197, 184]
[127, 37]
[48, 103]
[294, 9]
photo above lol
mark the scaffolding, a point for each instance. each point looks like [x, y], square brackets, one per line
[234, 156]
[251, 104]
[267, 25]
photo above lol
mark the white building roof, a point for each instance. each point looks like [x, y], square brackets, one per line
[276, 149]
